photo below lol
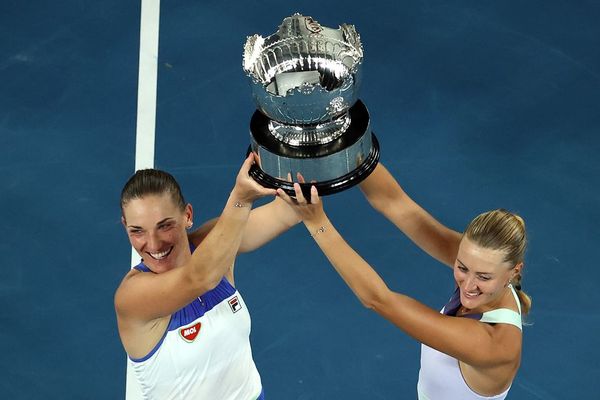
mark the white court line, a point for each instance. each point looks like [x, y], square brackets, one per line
[146, 121]
[147, 82]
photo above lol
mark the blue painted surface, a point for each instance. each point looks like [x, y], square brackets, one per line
[477, 105]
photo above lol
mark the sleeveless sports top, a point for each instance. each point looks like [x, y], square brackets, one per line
[205, 352]
[440, 377]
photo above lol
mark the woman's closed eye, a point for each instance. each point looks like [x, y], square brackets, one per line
[166, 227]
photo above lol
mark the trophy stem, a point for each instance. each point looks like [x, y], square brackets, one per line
[309, 135]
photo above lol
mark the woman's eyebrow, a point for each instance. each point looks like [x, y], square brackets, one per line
[162, 221]
[477, 272]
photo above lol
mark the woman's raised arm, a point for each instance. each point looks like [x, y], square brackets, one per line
[386, 195]
[453, 336]
[147, 296]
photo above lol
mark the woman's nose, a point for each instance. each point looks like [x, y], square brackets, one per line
[470, 283]
[153, 242]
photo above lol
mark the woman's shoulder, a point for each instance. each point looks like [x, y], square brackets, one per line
[508, 311]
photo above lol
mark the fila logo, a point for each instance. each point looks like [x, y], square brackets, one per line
[235, 304]
[189, 333]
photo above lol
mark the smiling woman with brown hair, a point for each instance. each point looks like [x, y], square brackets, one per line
[182, 321]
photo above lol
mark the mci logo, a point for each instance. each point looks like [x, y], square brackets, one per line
[189, 333]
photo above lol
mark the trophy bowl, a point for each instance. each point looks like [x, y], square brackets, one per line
[309, 120]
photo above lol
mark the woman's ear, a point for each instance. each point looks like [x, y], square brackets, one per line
[518, 269]
[189, 215]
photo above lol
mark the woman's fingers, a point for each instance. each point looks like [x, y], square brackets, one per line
[284, 196]
[247, 164]
[247, 186]
[300, 199]
[249, 160]
[267, 191]
[299, 195]
[314, 195]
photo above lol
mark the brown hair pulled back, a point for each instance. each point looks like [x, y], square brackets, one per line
[151, 182]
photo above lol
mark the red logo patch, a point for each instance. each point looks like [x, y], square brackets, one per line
[189, 333]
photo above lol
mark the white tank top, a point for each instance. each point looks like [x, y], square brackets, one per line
[440, 377]
[205, 352]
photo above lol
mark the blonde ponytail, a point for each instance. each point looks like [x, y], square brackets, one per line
[505, 231]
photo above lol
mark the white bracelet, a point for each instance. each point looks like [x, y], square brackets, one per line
[238, 204]
[320, 230]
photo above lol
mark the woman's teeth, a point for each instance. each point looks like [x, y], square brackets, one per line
[160, 255]
[472, 294]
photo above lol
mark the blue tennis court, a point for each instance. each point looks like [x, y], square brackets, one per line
[476, 105]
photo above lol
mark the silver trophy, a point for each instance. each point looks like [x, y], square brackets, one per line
[305, 80]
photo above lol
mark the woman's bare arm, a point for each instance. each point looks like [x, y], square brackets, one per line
[387, 196]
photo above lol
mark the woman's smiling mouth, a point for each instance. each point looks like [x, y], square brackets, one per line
[471, 295]
[160, 255]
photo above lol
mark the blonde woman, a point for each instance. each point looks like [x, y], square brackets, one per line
[471, 349]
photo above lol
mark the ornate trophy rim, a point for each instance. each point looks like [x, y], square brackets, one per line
[256, 46]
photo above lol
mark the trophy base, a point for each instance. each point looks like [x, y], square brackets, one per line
[331, 167]
[325, 187]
